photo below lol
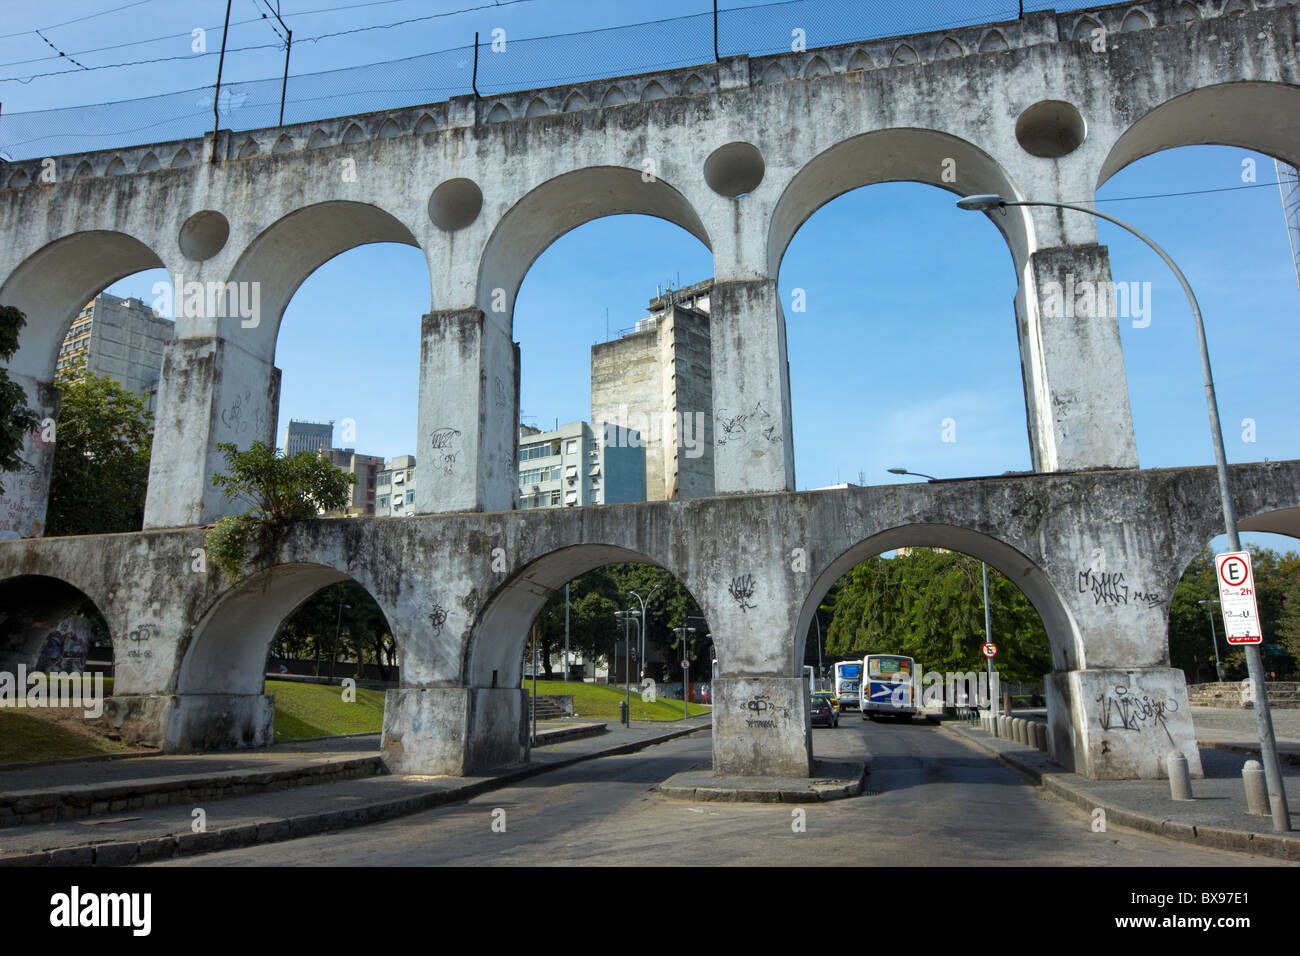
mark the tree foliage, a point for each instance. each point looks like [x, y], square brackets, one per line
[593, 630]
[347, 610]
[16, 419]
[100, 473]
[1277, 592]
[279, 492]
[929, 604]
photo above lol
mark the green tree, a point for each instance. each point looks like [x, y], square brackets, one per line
[279, 491]
[345, 609]
[929, 604]
[16, 419]
[101, 457]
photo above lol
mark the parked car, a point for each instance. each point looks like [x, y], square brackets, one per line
[823, 711]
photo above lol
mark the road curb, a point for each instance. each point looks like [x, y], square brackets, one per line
[1219, 838]
[277, 830]
[702, 787]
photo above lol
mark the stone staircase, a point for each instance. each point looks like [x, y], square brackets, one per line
[544, 707]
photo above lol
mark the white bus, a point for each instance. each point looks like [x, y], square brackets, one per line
[887, 686]
[848, 679]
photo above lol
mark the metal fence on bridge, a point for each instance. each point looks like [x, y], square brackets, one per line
[523, 64]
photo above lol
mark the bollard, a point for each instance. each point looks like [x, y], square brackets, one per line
[1017, 730]
[1022, 727]
[1040, 736]
[1180, 781]
[1252, 775]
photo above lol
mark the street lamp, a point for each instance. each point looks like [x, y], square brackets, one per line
[1254, 663]
[988, 627]
[681, 633]
[1218, 664]
[625, 617]
[644, 601]
[338, 624]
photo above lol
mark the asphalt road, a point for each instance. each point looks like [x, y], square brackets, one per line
[933, 800]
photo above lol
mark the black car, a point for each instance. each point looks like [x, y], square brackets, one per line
[823, 712]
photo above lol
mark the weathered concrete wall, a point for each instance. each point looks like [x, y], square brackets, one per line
[1030, 109]
[1098, 555]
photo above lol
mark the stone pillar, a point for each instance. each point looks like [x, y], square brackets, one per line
[454, 730]
[190, 723]
[761, 727]
[27, 492]
[210, 391]
[469, 407]
[752, 437]
[1079, 415]
[1111, 724]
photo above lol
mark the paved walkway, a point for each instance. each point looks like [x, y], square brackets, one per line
[1216, 817]
[146, 833]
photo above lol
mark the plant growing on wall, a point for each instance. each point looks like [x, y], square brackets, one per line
[279, 491]
[16, 419]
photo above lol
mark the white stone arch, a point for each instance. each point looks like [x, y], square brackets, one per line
[562, 204]
[500, 633]
[225, 652]
[55, 282]
[895, 155]
[284, 254]
[1261, 116]
[1062, 631]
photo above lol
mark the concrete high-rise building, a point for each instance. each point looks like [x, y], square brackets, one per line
[395, 487]
[307, 436]
[367, 469]
[578, 464]
[120, 338]
[656, 380]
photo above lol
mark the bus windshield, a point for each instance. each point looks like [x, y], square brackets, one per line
[890, 668]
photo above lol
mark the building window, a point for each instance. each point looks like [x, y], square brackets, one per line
[410, 497]
[572, 448]
[383, 501]
[555, 497]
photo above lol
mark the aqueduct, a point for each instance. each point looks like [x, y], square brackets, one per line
[739, 153]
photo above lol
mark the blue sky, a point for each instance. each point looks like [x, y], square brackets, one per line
[909, 318]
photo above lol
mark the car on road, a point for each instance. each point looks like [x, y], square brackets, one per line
[829, 695]
[823, 711]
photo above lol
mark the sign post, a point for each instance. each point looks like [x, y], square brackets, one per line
[1236, 579]
[990, 651]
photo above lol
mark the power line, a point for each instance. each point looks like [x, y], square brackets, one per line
[266, 46]
[91, 16]
[58, 51]
[1189, 192]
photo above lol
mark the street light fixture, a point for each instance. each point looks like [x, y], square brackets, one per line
[644, 601]
[1254, 663]
[334, 648]
[904, 471]
[681, 633]
[625, 617]
[1218, 664]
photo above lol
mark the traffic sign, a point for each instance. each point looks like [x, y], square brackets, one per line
[1237, 597]
[685, 664]
[990, 650]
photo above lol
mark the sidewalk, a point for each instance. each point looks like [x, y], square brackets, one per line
[155, 832]
[1217, 816]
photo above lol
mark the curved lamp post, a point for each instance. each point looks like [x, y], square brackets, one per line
[1263, 717]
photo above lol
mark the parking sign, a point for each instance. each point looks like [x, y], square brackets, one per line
[1237, 597]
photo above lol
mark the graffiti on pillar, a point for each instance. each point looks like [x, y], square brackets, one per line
[64, 650]
[139, 637]
[1110, 589]
[1123, 710]
[732, 428]
[500, 385]
[437, 617]
[762, 711]
[240, 419]
[23, 501]
[742, 589]
[445, 447]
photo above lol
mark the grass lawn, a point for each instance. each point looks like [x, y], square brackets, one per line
[602, 700]
[318, 710]
[33, 734]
